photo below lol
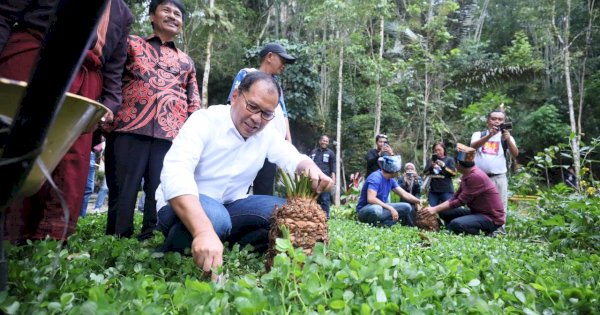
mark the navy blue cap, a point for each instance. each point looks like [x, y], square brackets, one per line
[277, 49]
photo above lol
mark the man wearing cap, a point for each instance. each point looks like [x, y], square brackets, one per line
[485, 211]
[273, 58]
[372, 156]
[372, 209]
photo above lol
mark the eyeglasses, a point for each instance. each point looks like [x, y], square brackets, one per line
[254, 109]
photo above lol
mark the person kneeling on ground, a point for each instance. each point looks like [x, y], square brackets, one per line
[209, 167]
[478, 192]
[372, 209]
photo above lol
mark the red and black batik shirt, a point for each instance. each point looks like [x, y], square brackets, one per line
[159, 89]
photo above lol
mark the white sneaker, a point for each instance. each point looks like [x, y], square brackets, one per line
[499, 231]
[97, 210]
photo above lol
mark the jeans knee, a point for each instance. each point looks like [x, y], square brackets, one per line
[222, 226]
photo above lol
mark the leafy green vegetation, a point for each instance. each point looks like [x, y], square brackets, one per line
[548, 263]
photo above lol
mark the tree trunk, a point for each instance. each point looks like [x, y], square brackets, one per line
[339, 128]
[588, 43]
[207, 69]
[479, 28]
[378, 89]
[204, 100]
[575, 136]
[425, 118]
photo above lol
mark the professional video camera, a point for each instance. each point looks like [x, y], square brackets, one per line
[505, 126]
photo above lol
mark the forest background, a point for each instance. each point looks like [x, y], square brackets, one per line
[419, 71]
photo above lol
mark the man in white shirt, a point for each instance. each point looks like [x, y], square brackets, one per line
[492, 145]
[273, 60]
[210, 165]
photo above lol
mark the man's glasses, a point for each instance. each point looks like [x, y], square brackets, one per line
[254, 109]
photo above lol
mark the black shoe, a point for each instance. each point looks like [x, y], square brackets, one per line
[177, 240]
[145, 235]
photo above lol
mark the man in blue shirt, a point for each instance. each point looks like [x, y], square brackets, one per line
[372, 209]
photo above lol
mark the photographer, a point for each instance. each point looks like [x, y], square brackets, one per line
[493, 146]
[410, 181]
[440, 169]
[383, 149]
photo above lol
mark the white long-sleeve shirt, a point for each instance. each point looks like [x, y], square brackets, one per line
[210, 157]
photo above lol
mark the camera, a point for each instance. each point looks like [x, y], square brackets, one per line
[386, 144]
[505, 126]
[434, 158]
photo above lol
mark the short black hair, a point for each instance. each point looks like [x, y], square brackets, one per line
[379, 136]
[255, 76]
[466, 164]
[155, 3]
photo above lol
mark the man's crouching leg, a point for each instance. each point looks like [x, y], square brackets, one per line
[178, 238]
[251, 220]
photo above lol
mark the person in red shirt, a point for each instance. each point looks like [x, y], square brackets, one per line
[23, 24]
[485, 211]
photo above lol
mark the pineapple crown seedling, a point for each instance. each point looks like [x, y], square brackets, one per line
[299, 187]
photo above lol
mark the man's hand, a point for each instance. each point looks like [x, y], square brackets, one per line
[321, 182]
[207, 251]
[394, 213]
[107, 118]
[505, 135]
[493, 131]
[387, 149]
[429, 211]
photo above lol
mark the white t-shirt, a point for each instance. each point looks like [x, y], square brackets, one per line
[210, 157]
[490, 156]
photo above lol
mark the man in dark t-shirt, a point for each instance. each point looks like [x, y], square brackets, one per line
[325, 160]
[383, 148]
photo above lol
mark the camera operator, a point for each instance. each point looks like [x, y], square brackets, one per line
[493, 146]
[410, 181]
[383, 149]
[440, 169]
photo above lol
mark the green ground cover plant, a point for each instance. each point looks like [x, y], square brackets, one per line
[548, 263]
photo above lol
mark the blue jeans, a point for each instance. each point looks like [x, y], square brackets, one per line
[325, 201]
[461, 220]
[101, 194]
[435, 198]
[244, 221]
[89, 186]
[374, 214]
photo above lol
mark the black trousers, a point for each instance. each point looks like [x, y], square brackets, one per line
[129, 158]
[265, 179]
[462, 220]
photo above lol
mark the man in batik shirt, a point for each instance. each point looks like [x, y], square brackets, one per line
[159, 93]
